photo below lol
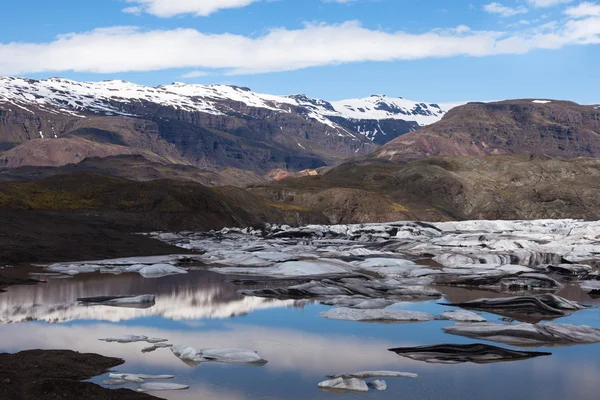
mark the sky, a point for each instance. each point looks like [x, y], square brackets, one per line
[425, 50]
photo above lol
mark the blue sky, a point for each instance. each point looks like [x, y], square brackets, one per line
[436, 50]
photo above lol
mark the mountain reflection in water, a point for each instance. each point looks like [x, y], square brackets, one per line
[194, 296]
[204, 310]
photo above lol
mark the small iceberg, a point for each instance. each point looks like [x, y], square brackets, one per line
[133, 339]
[356, 382]
[160, 270]
[137, 378]
[345, 385]
[525, 308]
[461, 316]
[161, 386]
[386, 315]
[228, 356]
[526, 335]
[155, 347]
[463, 353]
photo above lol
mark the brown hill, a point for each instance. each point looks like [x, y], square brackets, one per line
[446, 188]
[138, 168]
[553, 128]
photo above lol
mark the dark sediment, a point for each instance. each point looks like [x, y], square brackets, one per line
[27, 237]
[57, 374]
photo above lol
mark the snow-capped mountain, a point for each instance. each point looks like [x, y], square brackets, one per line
[58, 95]
[291, 132]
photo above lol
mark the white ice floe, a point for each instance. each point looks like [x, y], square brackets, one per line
[137, 378]
[133, 339]
[341, 384]
[161, 386]
[356, 382]
[228, 356]
[528, 334]
[386, 315]
[378, 385]
[376, 374]
[155, 347]
[462, 316]
[160, 270]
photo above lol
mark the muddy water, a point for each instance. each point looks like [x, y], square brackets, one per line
[204, 310]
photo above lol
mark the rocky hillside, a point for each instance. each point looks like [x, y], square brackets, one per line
[54, 122]
[446, 188]
[137, 168]
[553, 128]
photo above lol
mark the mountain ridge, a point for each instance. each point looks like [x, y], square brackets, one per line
[207, 126]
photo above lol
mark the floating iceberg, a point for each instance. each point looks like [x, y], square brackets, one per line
[356, 382]
[462, 316]
[161, 386]
[543, 306]
[345, 385]
[133, 339]
[462, 353]
[386, 315]
[229, 356]
[526, 335]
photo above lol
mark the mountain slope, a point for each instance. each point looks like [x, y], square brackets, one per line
[446, 188]
[207, 126]
[553, 128]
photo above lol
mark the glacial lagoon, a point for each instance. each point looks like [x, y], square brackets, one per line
[235, 293]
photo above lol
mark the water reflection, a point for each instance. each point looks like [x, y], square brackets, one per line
[301, 347]
[194, 296]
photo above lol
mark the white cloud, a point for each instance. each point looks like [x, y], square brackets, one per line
[547, 3]
[125, 49]
[171, 8]
[586, 9]
[195, 74]
[497, 8]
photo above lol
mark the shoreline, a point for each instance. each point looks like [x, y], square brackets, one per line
[33, 374]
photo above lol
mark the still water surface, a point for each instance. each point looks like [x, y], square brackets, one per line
[204, 310]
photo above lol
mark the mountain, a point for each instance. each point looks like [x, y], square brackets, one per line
[58, 121]
[509, 186]
[550, 127]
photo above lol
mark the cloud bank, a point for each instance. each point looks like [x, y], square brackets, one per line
[132, 49]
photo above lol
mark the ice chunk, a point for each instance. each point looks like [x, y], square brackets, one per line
[133, 339]
[378, 385]
[341, 384]
[229, 356]
[156, 347]
[160, 270]
[161, 386]
[525, 334]
[462, 316]
[462, 353]
[386, 315]
[375, 374]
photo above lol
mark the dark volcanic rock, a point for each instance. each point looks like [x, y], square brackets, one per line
[57, 374]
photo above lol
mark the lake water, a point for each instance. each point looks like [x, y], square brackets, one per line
[203, 310]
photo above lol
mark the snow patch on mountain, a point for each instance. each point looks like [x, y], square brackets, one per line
[64, 96]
